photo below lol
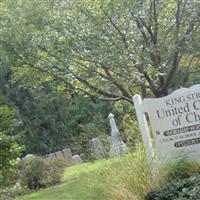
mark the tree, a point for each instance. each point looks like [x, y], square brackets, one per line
[51, 117]
[108, 48]
[10, 150]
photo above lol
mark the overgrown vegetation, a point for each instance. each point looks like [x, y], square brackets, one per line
[178, 189]
[37, 172]
[125, 178]
[9, 149]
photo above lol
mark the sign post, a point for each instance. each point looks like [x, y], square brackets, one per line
[144, 127]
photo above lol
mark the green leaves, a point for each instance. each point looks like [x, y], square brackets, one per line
[10, 150]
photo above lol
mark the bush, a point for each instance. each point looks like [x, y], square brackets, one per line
[182, 168]
[10, 192]
[9, 149]
[177, 180]
[179, 189]
[37, 172]
[32, 172]
[54, 169]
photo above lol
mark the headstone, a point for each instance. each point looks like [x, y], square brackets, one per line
[52, 155]
[59, 154]
[97, 148]
[175, 124]
[118, 147]
[83, 156]
[28, 156]
[76, 160]
[67, 154]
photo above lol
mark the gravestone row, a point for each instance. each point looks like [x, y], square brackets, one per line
[67, 155]
[117, 147]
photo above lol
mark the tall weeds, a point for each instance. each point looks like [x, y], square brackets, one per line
[129, 177]
[124, 178]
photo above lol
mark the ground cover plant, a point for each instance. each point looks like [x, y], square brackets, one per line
[179, 189]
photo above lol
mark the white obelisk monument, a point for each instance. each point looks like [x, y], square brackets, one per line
[118, 147]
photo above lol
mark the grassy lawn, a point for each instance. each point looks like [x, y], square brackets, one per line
[70, 191]
[119, 178]
[77, 170]
[75, 185]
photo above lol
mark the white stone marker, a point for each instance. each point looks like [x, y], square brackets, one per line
[52, 155]
[59, 154]
[28, 156]
[118, 147]
[175, 123]
[76, 159]
[67, 154]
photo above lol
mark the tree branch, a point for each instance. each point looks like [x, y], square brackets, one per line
[116, 28]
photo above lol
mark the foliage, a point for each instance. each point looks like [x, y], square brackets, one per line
[10, 192]
[174, 180]
[31, 172]
[179, 189]
[109, 48]
[54, 168]
[38, 172]
[52, 117]
[10, 122]
[182, 168]
[51, 123]
[130, 130]
[58, 56]
[10, 150]
[46, 108]
[9, 154]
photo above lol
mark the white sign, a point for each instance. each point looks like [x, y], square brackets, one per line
[175, 123]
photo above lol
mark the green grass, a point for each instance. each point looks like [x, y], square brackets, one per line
[77, 170]
[75, 185]
[70, 191]
[119, 178]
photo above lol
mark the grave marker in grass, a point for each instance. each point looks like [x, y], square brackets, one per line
[118, 147]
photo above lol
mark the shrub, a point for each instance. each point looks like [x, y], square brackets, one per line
[54, 169]
[9, 154]
[10, 192]
[179, 189]
[182, 168]
[37, 172]
[9, 149]
[32, 171]
[177, 180]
